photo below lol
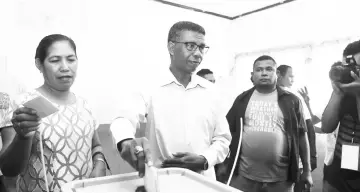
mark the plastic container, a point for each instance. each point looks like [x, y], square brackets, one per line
[170, 180]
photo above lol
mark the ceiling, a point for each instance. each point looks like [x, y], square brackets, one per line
[228, 9]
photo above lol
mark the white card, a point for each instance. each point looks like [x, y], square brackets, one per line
[350, 157]
[151, 179]
[42, 106]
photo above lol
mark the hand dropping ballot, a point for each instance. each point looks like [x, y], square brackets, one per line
[42, 106]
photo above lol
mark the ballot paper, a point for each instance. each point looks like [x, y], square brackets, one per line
[151, 178]
[42, 106]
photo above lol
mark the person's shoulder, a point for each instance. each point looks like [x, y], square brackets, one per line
[244, 93]
[205, 83]
[290, 95]
[83, 101]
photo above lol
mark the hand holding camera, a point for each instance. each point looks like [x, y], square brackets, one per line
[345, 77]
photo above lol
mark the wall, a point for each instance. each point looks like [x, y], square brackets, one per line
[122, 45]
[308, 35]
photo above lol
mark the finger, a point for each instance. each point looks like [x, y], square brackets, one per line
[172, 165]
[26, 117]
[356, 77]
[26, 131]
[147, 152]
[27, 125]
[306, 90]
[141, 164]
[133, 156]
[141, 158]
[126, 155]
[173, 161]
[337, 86]
[302, 91]
[179, 154]
[26, 111]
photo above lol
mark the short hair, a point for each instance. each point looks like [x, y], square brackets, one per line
[204, 72]
[264, 57]
[283, 69]
[180, 26]
[47, 41]
[352, 48]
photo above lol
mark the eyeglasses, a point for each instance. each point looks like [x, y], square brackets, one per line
[191, 46]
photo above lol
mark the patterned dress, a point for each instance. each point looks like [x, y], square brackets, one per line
[67, 144]
[5, 114]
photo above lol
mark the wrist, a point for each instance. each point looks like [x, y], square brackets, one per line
[100, 162]
[23, 138]
[306, 168]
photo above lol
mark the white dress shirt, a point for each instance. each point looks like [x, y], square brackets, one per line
[179, 119]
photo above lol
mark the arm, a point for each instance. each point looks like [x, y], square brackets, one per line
[215, 153]
[14, 153]
[305, 95]
[123, 129]
[99, 160]
[304, 151]
[304, 148]
[220, 142]
[17, 141]
[331, 115]
[312, 144]
[224, 172]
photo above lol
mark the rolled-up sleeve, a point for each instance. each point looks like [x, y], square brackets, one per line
[220, 142]
[128, 118]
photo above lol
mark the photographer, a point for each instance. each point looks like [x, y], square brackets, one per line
[343, 173]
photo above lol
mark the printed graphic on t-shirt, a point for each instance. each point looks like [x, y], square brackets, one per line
[263, 116]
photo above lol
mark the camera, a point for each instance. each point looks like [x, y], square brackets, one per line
[340, 72]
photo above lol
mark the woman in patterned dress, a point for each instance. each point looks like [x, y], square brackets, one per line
[71, 146]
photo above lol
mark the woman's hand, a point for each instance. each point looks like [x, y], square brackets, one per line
[99, 169]
[25, 122]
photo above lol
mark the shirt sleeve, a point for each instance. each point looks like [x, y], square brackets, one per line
[300, 116]
[220, 142]
[132, 111]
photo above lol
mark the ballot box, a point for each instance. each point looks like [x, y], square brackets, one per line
[169, 180]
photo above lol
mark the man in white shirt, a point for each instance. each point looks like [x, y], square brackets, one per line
[285, 81]
[184, 126]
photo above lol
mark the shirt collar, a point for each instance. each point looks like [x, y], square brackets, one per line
[195, 81]
[250, 91]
